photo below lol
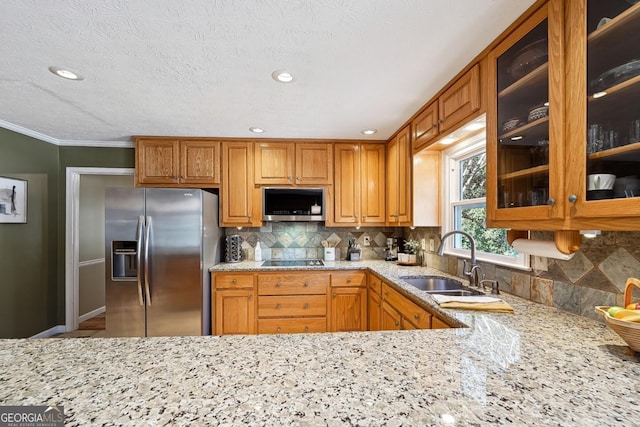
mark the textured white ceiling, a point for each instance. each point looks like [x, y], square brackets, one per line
[203, 67]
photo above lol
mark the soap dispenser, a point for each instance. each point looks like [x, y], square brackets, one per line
[258, 252]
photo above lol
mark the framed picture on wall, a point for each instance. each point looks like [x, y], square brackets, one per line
[13, 200]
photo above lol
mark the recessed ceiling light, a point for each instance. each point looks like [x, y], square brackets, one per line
[282, 76]
[65, 73]
[256, 130]
[368, 131]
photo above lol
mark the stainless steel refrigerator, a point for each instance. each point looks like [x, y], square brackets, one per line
[159, 244]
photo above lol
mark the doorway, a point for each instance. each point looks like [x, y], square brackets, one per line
[84, 245]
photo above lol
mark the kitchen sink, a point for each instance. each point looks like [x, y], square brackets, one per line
[440, 285]
[433, 283]
[458, 293]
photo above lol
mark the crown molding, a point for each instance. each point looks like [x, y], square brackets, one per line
[64, 143]
[29, 132]
[101, 144]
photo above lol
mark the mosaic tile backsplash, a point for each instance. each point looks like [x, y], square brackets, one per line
[303, 240]
[596, 275]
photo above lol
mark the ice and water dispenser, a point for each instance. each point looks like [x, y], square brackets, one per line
[124, 260]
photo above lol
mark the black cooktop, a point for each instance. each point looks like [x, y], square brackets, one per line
[292, 263]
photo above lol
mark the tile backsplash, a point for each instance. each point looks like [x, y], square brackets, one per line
[303, 240]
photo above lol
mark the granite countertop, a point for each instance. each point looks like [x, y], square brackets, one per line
[539, 366]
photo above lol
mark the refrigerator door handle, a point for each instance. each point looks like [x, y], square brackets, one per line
[146, 261]
[139, 236]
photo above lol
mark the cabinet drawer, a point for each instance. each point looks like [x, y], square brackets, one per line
[375, 284]
[437, 323]
[225, 281]
[409, 310]
[292, 305]
[292, 284]
[292, 325]
[353, 279]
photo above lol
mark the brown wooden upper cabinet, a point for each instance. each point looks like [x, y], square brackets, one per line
[177, 162]
[456, 104]
[293, 163]
[359, 184]
[399, 174]
[563, 121]
[239, 201]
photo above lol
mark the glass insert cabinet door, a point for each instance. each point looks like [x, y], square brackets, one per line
[523, 121]
[523, 116]
[613, 100]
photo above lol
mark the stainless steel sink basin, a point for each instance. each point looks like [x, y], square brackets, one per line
[458, 293]
[433, 283]
[440, 285]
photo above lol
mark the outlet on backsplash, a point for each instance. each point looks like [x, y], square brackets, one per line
[366, 240]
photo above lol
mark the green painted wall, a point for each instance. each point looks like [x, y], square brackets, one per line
[32, 255]
[28, 252]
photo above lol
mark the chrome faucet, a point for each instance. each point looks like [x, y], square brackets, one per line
[474, 269]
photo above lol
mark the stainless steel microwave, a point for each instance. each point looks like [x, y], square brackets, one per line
[293, 204]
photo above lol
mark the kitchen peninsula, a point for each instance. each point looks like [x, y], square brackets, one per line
[539, 366]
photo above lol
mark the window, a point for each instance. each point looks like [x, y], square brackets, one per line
[465, 206]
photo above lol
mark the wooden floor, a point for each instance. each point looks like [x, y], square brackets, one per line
[90, 328]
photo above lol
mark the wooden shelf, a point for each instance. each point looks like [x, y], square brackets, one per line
[527, 130]
[614, 43]
[620, 101]
[618, 153]
[622, 26]
[537, 76]
[525, 172]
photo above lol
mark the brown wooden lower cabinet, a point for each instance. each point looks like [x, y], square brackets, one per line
[375, 311]
[234, 303]
[414, 316]
[235, 311]
[436, 323]
[292, 302]
[306, 301]
[391, 319]
[348, 309]
[292, 325]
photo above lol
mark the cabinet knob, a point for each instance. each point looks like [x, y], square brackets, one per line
[174, 177]
[440, 121]
[181, 177]
[306, 306]
[364, 217]
[551, 201]
[278, 306]
[298, 178]
[278, 329]
[397, 323]
[335, 295]
[573, 198]
[416, 316]
[234, 281]
[434, 125]
[386, 293]
[306, 284]
[348, 279]
[278, 285]
[306, 329]
[250, 297]
[289, 178]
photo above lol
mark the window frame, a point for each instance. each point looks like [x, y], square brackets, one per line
[451, 159]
